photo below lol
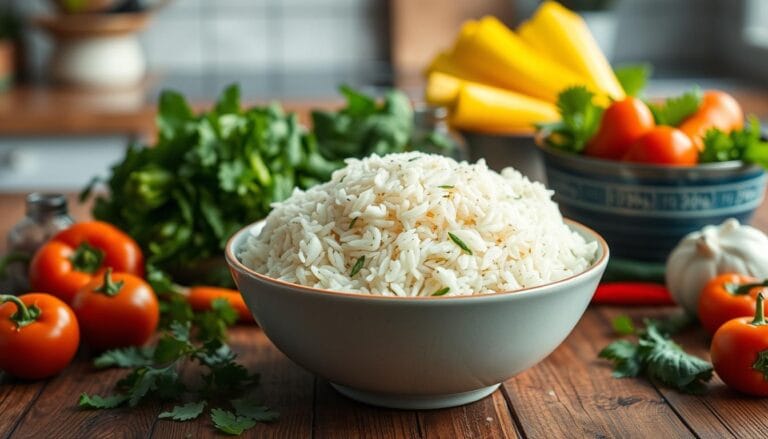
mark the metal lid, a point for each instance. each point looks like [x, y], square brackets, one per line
[42, 204]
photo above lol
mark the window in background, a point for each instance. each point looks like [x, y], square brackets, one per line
[755, 31]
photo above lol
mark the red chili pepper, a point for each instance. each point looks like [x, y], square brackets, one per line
[632, 293]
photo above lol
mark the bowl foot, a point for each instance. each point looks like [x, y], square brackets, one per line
[415, 402]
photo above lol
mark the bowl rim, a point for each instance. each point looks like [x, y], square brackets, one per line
[730, 165]
[236, 264]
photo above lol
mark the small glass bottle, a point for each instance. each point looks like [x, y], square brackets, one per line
[46, 214]
[432, 134]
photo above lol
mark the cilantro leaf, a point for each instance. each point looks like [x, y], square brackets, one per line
[124, 357]
[99, 402]
[624, 355]
[761, 364]
[622, 325]
[676, 109]
[745, 144]
[184, 412]
[230, 423]
[659, 358]
[666, 361]
[251, 409]
[633, 78]
[580, 119]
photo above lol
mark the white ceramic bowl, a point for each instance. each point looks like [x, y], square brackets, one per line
[415, 353]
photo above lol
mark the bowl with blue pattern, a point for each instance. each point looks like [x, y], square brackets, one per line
[644, 210]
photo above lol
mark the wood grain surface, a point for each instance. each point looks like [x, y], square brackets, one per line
[569, 394]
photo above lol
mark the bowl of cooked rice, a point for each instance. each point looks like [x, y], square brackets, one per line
[414, 281]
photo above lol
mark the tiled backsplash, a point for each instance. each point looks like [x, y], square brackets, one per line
[218, 36]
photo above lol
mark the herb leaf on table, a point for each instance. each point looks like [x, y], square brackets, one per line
[659, 358]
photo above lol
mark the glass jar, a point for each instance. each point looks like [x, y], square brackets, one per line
[46, 215]
[432, 134]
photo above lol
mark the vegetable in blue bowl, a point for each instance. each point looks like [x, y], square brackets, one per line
[643, 210]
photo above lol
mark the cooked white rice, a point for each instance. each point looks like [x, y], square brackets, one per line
[397, 211]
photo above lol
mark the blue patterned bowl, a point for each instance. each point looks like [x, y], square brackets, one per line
[644, 210]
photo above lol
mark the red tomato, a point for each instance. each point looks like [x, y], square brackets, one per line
[39, 335]
[718, 110]
[727, 297]
[740, 352]
[622, 124]
[116, 311]
[663, 145]
[74, 256]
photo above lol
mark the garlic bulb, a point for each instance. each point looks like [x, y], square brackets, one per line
[700, 256]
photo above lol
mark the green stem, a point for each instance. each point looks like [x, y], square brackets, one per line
[24, 315]
[87, 258]
[110, 287]
[759, 312]
[740, 290]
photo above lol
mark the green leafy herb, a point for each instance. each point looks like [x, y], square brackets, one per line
[659, 358]
[185, 412]
[252, 409]
[230, 423]
[441, 292]
[352, 223]
[97, 402]
[633, 78]
[761, 364]
[580, 119]
[460, 243]
[155, 370]
[622, 325]
[358, 266]
[676, 109]
[745, 144]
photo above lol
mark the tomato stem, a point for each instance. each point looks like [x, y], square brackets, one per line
[87, 258]
[740, 290]
[24, 315]
[110, 287]
[759, 312]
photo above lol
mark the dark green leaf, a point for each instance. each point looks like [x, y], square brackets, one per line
[99, 402]
[624, 356]
[460, 243]
[761, 364]
[124, 357]
[229, 423]
[358, 266]
[676, 109]
[633, 78]
[668, 363]
[184, 412]
[251, 409]
[229, 101]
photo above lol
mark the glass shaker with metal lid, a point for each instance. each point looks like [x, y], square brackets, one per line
[46, 215]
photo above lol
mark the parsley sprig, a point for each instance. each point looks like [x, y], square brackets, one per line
[580, 119]
[745, 144]
[154, 373]
[656, 356]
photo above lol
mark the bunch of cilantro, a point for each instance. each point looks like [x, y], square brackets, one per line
[156, 373]
[210, 174]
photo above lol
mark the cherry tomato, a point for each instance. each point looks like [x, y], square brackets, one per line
[39, 335]
[739, 352]
[718, 110]
[200, 298]
[74, 256]
[664, 146]
[622, 124]
[116, 311]
[727, 297]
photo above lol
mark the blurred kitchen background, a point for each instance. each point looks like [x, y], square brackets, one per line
[56, 136]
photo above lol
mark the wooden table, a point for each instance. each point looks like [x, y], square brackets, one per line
[570, 394]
